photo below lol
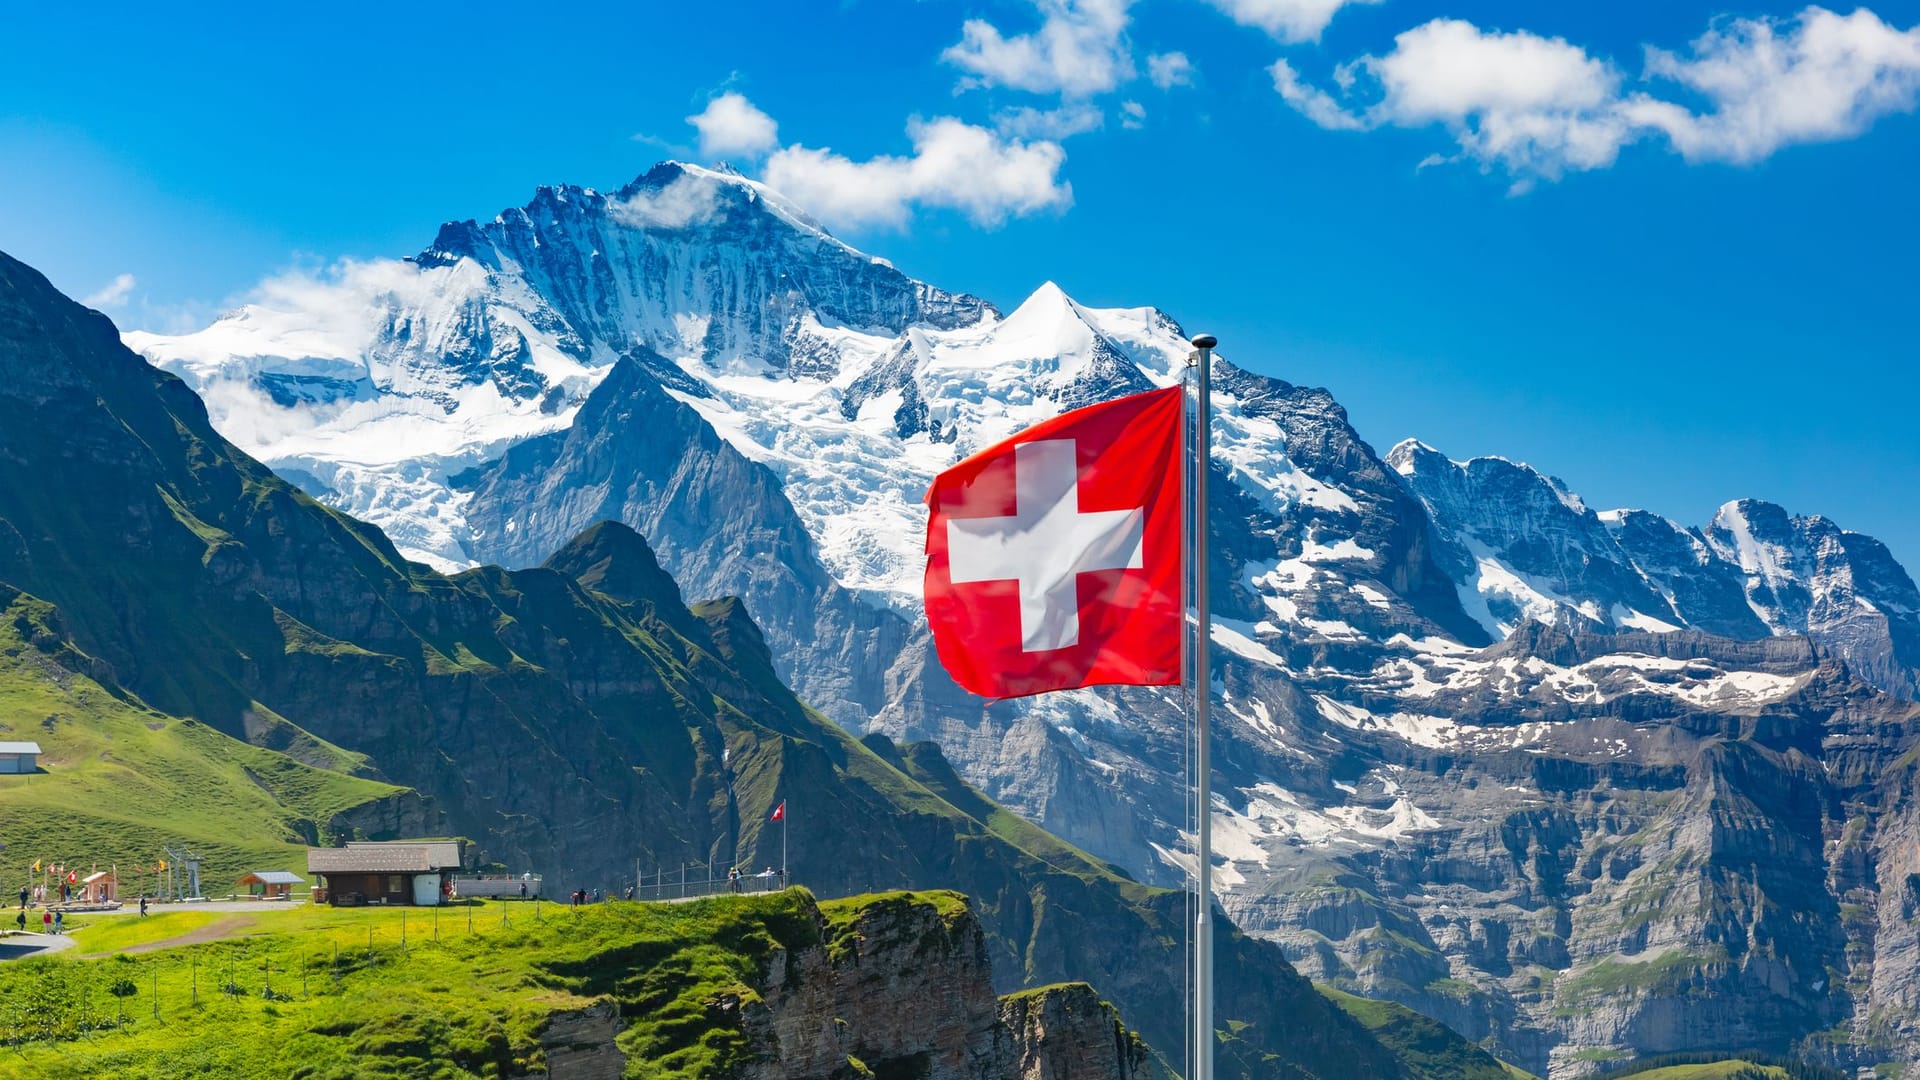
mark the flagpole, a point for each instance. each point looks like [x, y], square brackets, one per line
[1202, 693]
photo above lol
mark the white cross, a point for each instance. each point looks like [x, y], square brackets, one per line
[1046, 545]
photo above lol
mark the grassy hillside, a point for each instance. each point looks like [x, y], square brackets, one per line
[318, 992]
[1430, 1050]
[1722, 1070]
[119, 780]
[486, 992]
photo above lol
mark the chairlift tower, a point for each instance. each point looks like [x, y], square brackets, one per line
[179, 861]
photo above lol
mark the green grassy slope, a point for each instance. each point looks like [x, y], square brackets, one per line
[1429, 1049]
[1723, 1070]
[120, 779]
[349, 999]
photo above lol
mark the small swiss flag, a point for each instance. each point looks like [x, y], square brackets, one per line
[1054, 558]
[779, 812]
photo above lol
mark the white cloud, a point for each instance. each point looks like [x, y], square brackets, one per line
[1447, 69]
[1025, 122]
[1312, 102]
[1540, 107]
[1133, 115]
[731, 125]
[954, 165]
[1079, 50]
[1168, 70]
[113, 294]
[1288, 20]
[688, 200]
[1829, 77]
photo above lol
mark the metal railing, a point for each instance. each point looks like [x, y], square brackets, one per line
[656, 889]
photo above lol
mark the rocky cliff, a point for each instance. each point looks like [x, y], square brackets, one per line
[902, 984]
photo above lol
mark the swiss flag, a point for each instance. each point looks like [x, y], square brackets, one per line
[1054, 558]
[779, 812]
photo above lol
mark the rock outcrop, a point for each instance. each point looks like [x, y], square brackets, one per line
[905, 988]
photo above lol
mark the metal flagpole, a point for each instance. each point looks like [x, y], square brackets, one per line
[1202, 694]
[783, 841]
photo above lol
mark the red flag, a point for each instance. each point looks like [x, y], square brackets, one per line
[1054, 558]
[779, 812]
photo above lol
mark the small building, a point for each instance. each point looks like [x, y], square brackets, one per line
[19, 757]
[100, 887]
[271, 884]
[413, 872]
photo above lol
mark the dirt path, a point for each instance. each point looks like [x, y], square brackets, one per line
[213, 931]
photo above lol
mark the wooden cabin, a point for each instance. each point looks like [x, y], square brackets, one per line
[271, 884]
[410, 872]
[101, 887]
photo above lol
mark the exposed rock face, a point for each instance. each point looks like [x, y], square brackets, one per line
[1064, 1032]
[579, 1044]
[907, 990]
[1645, 841]
[682, 248]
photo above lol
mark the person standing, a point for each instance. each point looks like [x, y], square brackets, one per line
[24, 891]
[143, 905]
[20, 920]
[46, 922]
[59, 922]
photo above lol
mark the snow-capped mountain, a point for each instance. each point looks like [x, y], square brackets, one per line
[1474, 735]
[1524, 548]
[375, 385]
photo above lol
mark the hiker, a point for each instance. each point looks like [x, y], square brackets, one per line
[143, 905]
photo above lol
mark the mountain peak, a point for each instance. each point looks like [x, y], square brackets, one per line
[613, 559]
[1408, 455]
[1047, 323]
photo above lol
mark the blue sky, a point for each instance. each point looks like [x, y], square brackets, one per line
[1666, 251]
